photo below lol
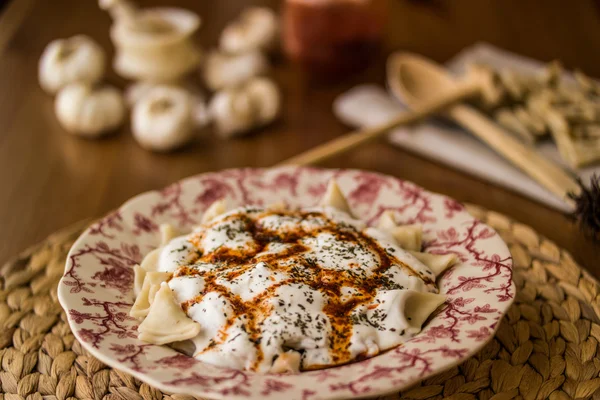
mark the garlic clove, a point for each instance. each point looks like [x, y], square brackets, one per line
[256, 28]
[223, 70]
[265, 95]
[163, 119]
[200, 113]
[68, 103]
[89, 112]
[66, 61]
[238, 110]
[232, 113]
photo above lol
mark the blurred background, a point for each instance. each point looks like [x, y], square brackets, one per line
[51, 178]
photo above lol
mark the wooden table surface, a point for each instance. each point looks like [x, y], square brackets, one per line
[50, 179]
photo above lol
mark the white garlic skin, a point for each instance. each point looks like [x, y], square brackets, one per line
[66, 61]
[236, 111]
[231, 111]
[137, 91]
[266, 97]
[89, 112]
[222, 70]
[163, 120]
[257, 28]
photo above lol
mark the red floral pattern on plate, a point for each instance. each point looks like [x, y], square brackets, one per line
[96, 289]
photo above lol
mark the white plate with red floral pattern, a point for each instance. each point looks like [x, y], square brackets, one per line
[97, 287]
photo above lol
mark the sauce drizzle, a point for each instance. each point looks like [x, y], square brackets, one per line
[299, 267]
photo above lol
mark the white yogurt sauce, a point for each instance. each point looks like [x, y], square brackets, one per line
[316, 280]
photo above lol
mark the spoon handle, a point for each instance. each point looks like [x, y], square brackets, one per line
[354, 139]
[523, 156]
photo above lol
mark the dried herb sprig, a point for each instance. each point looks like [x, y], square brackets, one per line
[587, 207]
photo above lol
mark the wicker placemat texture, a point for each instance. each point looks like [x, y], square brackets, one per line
[546, 346]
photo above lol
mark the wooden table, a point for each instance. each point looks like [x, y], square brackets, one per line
[51, 179]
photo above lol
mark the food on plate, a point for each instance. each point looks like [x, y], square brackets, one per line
[238, 110]
[166, 322]
[87, 111]
[275, 289]
[66, 61]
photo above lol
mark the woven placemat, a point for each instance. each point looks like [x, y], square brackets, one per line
[546, 346]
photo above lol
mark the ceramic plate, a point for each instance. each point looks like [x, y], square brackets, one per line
[96, 290]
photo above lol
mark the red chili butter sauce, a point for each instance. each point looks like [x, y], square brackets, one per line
[231, 263]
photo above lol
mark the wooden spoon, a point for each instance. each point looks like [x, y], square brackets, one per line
[416, 81]
[428, 89]
[430, 107]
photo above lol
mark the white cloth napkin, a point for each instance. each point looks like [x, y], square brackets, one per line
[369, 105]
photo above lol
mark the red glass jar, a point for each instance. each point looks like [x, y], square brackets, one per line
[332, 38]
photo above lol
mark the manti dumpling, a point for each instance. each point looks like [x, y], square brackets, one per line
[217, 208]
[437, 263]
[407, 236]
[334, 197]
[150, 287]
[166, 322]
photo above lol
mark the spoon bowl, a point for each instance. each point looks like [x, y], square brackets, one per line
[415, 80]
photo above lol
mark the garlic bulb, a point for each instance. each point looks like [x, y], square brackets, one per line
[242, 108]
[139, 90]
[163, 120]
[89, 112]
[65, 61]
[256, 28]
[223, 70]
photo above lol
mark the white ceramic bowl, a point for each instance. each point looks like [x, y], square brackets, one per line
[96, 289]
